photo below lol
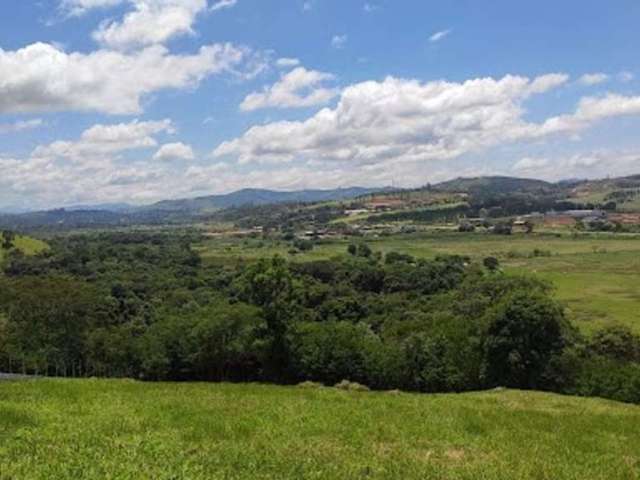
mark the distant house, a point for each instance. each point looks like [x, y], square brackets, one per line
[356, 211]
[582, 214]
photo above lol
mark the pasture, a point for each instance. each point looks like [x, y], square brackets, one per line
[27, 245]
[596, 275]
[90, 429]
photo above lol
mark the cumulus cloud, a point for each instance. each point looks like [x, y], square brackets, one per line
[90, 168]
[589, 79]
[298, 88]
[406, 120]
[42, 77]
[151, 22]
[436, 37]
[20, 125]
[174, 151]
[590, 164]
[103, 140]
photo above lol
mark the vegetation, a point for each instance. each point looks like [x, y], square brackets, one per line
[94, 429]
[143, 305]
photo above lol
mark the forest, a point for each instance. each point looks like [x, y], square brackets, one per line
[145, 305]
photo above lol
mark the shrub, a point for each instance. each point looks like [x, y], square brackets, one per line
[491, 263]
[351, 386]
[616, 342]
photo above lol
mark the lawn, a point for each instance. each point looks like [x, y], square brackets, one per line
[596, 275]
[100, 429]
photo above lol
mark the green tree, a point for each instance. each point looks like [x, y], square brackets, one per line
[491, 263]
[524, 331]
[270, 285]
[8, 239]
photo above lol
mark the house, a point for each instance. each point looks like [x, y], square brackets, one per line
[582, 214]
[356, 211]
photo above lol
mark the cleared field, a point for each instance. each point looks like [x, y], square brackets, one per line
[597, 275]
[90, 429]
[27, 245]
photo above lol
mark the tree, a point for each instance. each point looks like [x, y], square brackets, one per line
[270, 285]
[333, 351]
[227, 342]
[360, 250]
[8, 239]
[617, 342]
[491, 263]
[523, 332]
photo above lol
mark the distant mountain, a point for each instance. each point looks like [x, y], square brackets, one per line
[168, 211]
[253, 196]
[102, 207]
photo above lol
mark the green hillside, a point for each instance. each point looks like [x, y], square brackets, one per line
[94, 429]
[494, 185]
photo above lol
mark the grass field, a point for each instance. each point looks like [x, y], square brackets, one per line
[597, 275]
[27, 245]
[95, 429]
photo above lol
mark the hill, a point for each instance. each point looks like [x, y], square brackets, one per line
[494, 185]
[94, 429]
[168, 211]
[253, 196]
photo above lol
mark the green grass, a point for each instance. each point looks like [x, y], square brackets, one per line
[27, 245]
[596, 275]
[90, 429]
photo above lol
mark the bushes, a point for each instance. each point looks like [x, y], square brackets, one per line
[145, 306]
[599, 376]
[524, 331]
[332, 351]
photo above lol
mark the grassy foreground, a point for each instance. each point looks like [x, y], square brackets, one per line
[90, 429]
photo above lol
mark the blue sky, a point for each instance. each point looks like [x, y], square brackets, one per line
[141, 100]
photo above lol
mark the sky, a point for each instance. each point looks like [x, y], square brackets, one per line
[105, 101]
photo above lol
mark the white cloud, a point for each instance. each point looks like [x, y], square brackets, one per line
[174, 151]
[308, 5]
[400, 120]
[370, 7]
[42, 77]
[339, 41]
[296, 89]
[590, 164]
[589, 79]
[590, 110]
[529, 164]
[287, 62]
[80, 7]
[105, 140]
[20, 125]
[223, 4]
[151, 22]
[436, 37]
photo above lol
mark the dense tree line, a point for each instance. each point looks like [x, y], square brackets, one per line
[145, 306]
